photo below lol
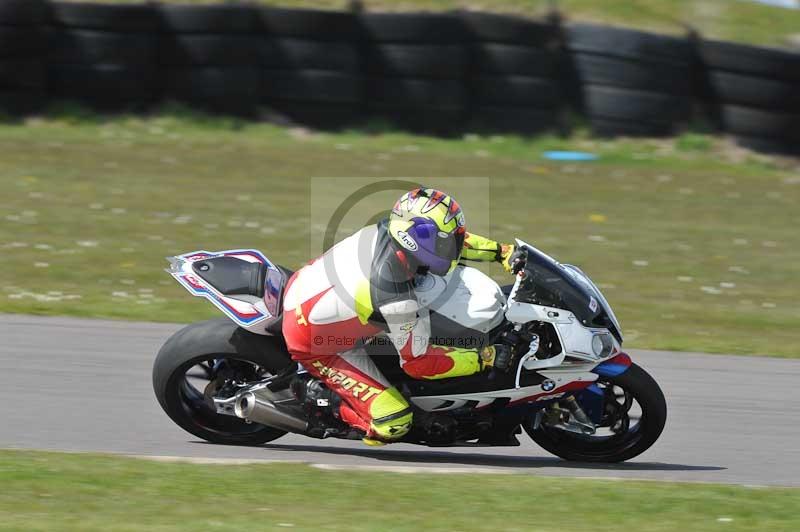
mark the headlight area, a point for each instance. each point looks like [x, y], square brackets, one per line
[602, 344]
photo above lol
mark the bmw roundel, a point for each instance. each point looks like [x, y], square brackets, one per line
[549, 385]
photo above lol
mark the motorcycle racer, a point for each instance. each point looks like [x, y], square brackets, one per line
[364, 286]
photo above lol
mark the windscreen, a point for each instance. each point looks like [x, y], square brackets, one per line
[549, 283]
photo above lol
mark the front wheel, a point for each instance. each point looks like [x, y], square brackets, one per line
[634, 417]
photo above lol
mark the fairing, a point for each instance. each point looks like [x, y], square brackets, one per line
[564, 286]
[252, 313]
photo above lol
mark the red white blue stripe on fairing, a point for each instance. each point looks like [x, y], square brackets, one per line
[613, 366]
[246, 315]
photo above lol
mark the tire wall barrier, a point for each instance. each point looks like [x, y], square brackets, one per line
[416, 68]
[23, 45]
[440, 73]
[629, 82]
[514, 74]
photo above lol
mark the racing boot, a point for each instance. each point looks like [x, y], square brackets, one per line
[321, 406]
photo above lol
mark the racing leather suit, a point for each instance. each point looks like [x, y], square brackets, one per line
[362, 287]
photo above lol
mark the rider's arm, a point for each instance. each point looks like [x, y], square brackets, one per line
[410, 330]
[480, 248]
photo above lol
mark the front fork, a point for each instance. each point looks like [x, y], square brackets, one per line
[583, 411]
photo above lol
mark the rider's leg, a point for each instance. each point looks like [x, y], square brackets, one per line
[369, 402]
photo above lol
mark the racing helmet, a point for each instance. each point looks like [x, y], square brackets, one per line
[429, 225]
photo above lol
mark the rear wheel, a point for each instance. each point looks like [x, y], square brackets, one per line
[211, 359]
[634, 416]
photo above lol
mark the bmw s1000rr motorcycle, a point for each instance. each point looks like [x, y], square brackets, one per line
[572, 390]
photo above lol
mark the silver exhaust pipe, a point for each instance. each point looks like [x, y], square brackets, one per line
[259, 410]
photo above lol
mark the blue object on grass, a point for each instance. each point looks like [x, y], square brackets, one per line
[570, 156]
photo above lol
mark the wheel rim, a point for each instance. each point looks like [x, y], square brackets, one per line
[197, 379]
[621, 426]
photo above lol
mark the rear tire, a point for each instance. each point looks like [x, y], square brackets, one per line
[636, 440]
[191, 345]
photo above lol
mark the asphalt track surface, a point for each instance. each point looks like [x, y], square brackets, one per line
[84, 385]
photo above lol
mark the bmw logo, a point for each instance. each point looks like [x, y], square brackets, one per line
[549, 385]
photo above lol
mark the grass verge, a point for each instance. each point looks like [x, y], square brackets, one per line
[50, 491]
[693, 242]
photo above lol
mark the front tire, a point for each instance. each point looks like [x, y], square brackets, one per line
[620, 447]
[190, 408]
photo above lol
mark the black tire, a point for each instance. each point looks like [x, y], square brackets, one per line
[212, 82]
[515, 91]
[103, 86]
[305, 54]
[314, 114]
[410, 93]
[609, 128]
[434, 120]
[208, 50]
[513, 59]
[632, 44]
[755, 61]
[233, 90]
[18, 43]
[86, 47]
[22, 12]
[413, 28]
[21, 102]
[509, 29]
[633, 105]
[747, 121]
[728, 87]
[578, 448]
[311, 86]
[769, 146]
[520, 120]
[91, 16]
[195, 343]
[616, 72]
[25, 74]
[212, 18]
[309, 23]
[417, 60]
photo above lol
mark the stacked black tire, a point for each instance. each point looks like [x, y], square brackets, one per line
[208, 56]
[310, 66]
[103, 55]
[22, 47]
[416, 66]
[513, 76]
[630, 83]
[754, 94]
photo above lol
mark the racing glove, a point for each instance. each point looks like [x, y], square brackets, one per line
[498, 356]
[505, 256]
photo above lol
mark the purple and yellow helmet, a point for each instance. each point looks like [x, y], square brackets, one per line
[429, 225]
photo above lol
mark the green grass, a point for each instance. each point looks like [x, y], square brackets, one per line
[694, 243]
[55, 492]
[737, 20]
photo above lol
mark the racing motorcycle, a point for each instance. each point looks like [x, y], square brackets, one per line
[572, 389]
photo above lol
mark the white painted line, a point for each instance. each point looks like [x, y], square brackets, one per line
[212, 461]
[414, 469]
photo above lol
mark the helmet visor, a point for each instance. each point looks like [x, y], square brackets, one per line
[448, 246]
